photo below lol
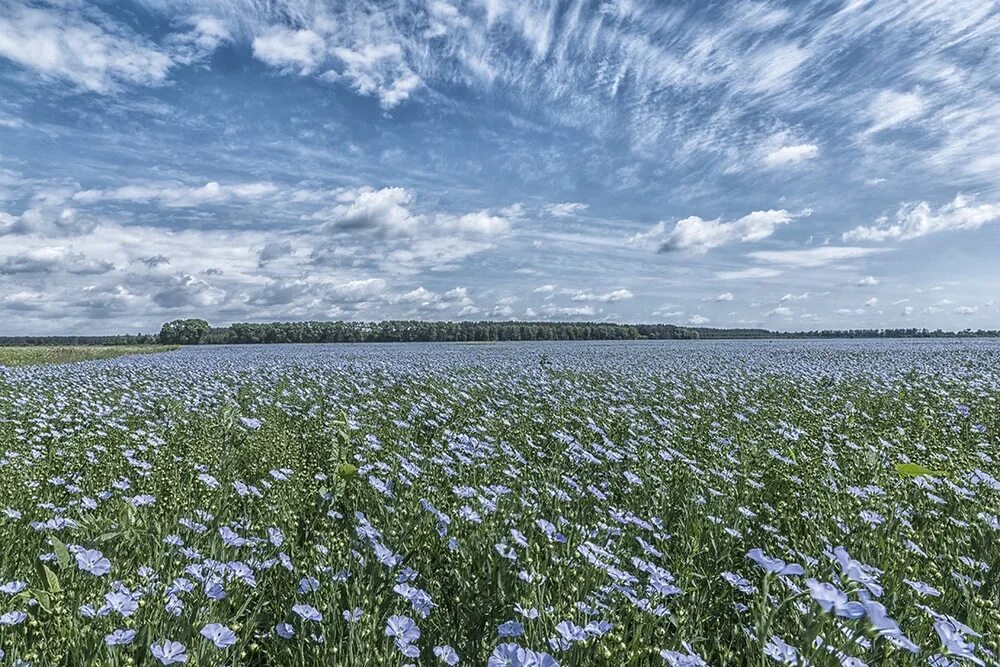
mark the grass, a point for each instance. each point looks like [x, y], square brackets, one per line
[32, 355]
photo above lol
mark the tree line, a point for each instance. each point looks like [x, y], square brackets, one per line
[200, 332]
[193, 332]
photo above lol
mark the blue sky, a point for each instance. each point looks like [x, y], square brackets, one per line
[785, 165]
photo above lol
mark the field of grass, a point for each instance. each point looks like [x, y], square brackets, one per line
[595, 506]
[28, 355]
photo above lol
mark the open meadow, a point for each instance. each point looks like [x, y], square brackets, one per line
[64, 354]
[591, 504]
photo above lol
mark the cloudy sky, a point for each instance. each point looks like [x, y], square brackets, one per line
[787, 165]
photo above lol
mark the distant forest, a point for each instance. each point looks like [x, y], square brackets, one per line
[199, 332]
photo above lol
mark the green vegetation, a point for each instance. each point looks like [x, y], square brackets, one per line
[596, 506]
[37, 354]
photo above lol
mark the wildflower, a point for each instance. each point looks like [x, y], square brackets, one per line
[308, 612]
[284, 630]
[169, 652]
[857, 572]
[510, 629]
[93, 562]
[954, 641]
[352, 615]
[119, 637]
[219, 635]
[13, 618]
[832, 599]
[678, 659]
[13, 587]
[403, 628]
[571, 632]
[778, 650]
[447, 655]
[308, 585]
[922, 588]
[884, 626]
[774, 565]
[120, 602]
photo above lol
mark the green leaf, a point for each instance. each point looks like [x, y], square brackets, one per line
[62, 553]
[347, 470]
[914, 470]
[44, 601]
[48, 577]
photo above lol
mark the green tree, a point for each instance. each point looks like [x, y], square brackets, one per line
[184, 332]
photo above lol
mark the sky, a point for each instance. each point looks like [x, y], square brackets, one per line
[785, 165]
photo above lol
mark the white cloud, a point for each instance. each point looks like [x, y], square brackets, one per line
[780, 311]
[290, 50]
[813, 257]
[698, 319]
[607, 297]
[890, 108]
[794, 297]
[480, 222]
[967, 310]
[566, 209]
[725, 296]
[206, 35]
[187, 291]
[550, 310]
[748, 274]
[52, 259]
[424, 299]
[872, 302]
[60, 45]
[699, 236]
[868, 281]
[377, 69]
[914, 220]
[178, 196]
[384, 210]
[907, 311]
[787, 155]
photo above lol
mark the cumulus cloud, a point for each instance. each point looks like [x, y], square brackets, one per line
[607, 297]
[868, 281]
[186, 291]
[290, 50]
[52, 259]
[725, 296]
[698, 320]
[780, 311]
[788, 155]
[914, 220]
[812, 257]
[427, 300]
[967, 310]
[551, 310]
[274, 250]
[385, 210]
[697, 235]
[58, 44]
